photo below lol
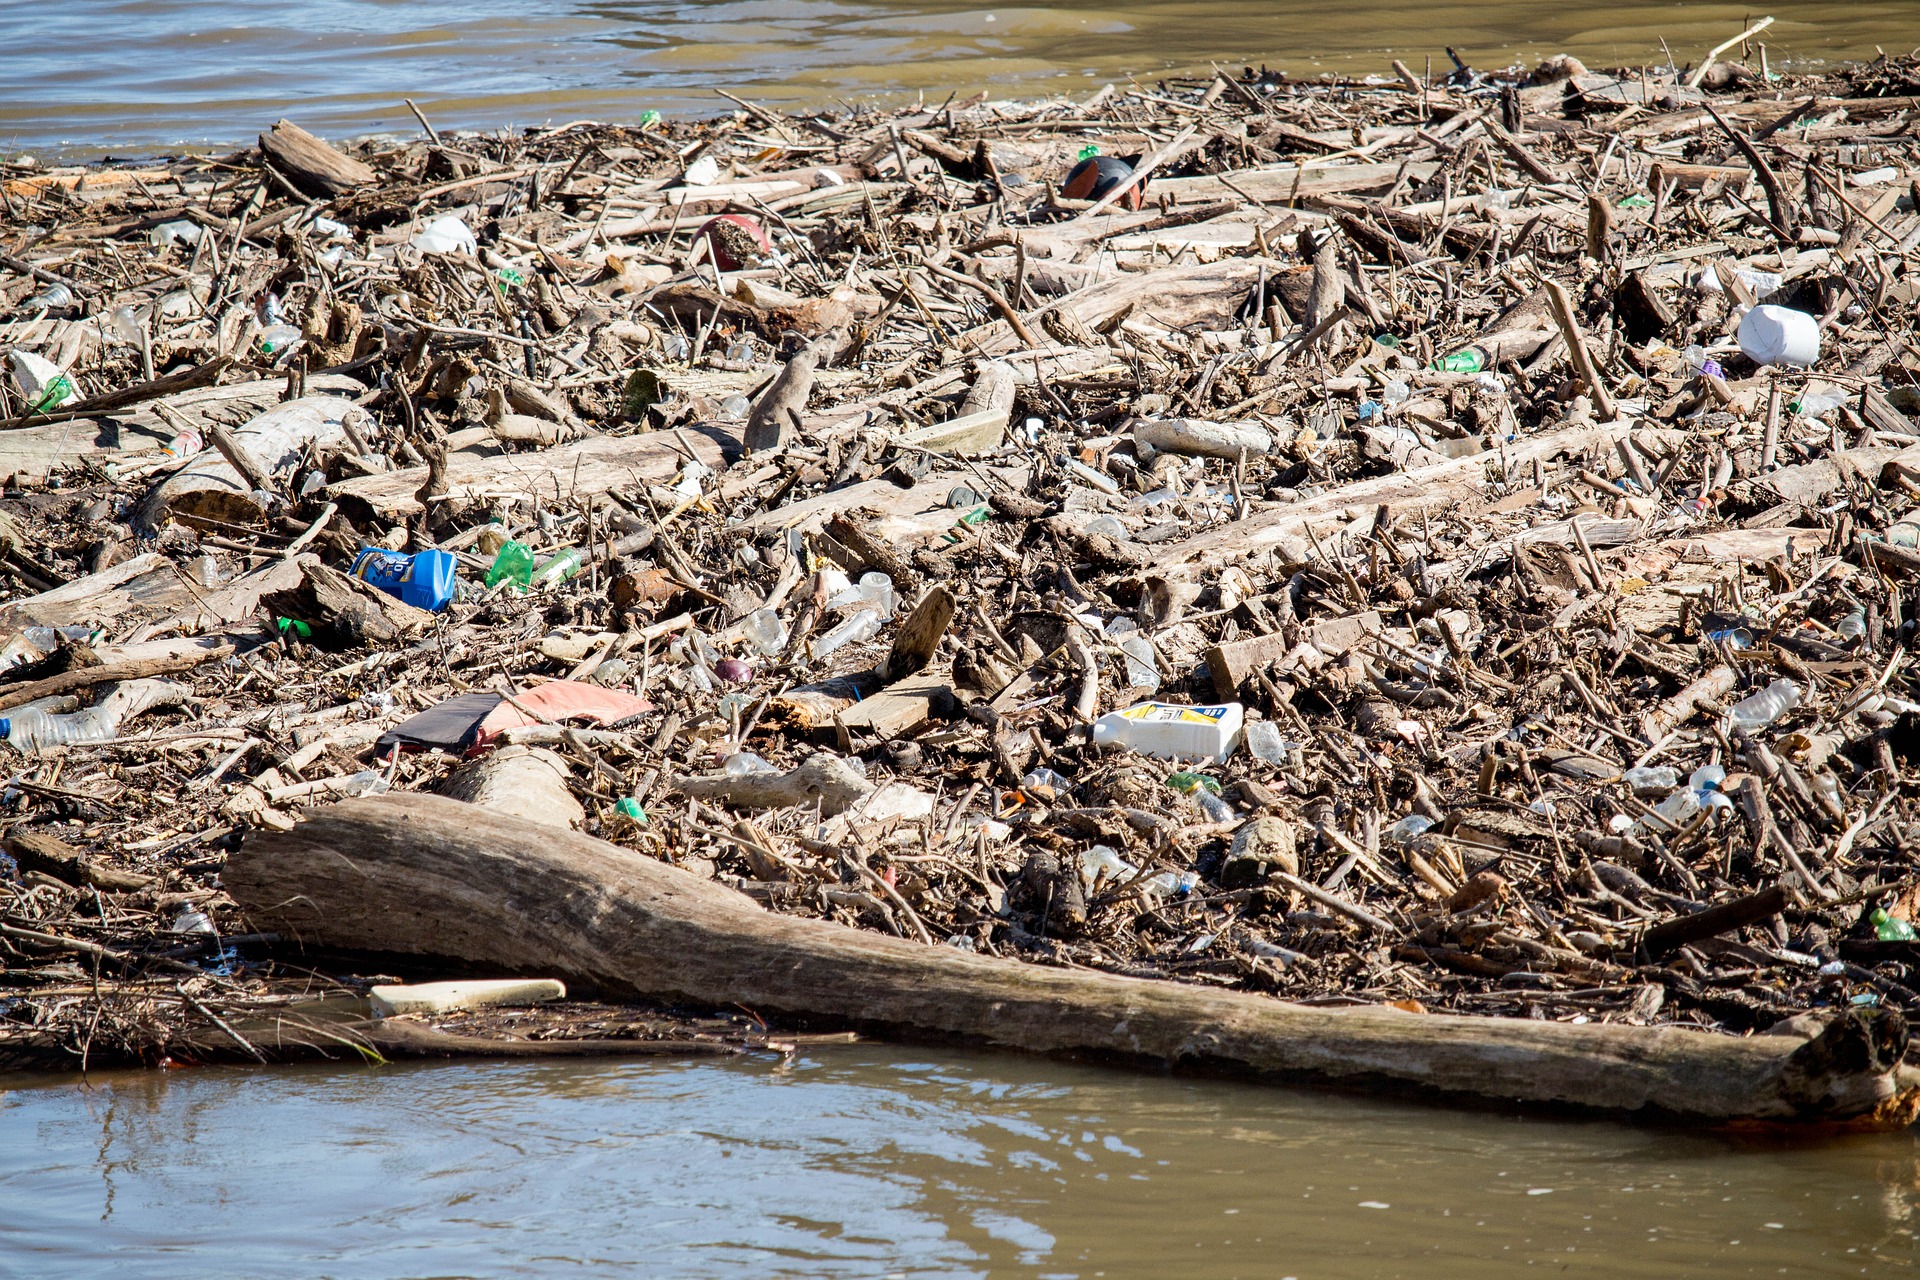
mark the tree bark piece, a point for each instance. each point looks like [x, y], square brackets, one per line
[770, 424]
[981, 423]
[428, 876]
[310, 164]
[1196, 436]
[1671, 935]
[522, 782]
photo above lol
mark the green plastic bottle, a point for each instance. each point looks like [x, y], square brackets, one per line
[513, 564]
[558, 568]
[1891, 930]
[1465, 360]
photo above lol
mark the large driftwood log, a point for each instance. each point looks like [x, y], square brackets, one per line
[430, 876]
[310, 164]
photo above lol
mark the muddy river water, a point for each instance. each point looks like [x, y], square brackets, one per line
[875, 1161]
[83, 76]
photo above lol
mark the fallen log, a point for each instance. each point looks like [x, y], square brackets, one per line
[429, 876]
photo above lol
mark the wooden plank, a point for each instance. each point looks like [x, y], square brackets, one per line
[902, 706]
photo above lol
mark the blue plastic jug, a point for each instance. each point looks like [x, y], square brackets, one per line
[424, 580]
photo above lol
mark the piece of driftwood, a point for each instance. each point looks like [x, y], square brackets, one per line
[522, 782]
[1195, 436]
[310, 164]
[580, 470]
[1669, 935]
[920, 635]
[981, 423]
[902, 706]
[836, 784]
[209, 490]
[770, 422]
[428, 876]
[51, 856]
[1421, 488]
[106, 673]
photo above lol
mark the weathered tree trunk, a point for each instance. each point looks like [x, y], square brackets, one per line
[430, 876]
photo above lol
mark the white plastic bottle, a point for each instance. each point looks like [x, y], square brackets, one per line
[1169, 730]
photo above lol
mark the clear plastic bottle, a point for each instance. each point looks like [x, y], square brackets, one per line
[1104, 860]
[861, 626]
[766, 632]
[1853, 626]
[1763, 708]
[1265, 742]
[31, 730]
[1205, 793]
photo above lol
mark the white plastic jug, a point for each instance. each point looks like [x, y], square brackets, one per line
[1780, 335]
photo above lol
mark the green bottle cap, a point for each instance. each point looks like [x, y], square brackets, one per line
[1089, 151]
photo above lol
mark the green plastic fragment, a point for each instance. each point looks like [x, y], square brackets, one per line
[628, 807]
[1089, 151]
[1636, 201]
[293, 626]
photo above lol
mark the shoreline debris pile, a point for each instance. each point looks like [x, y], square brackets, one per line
[1503, 487]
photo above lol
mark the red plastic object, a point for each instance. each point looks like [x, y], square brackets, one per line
[735, 241]
[560, 701]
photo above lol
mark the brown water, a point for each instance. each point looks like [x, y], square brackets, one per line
[869, 1161]
[83, 76]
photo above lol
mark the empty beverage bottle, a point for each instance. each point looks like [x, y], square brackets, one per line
[1205, 793]
[1766, 706]
[558, 568]
[425, 580]
[513, 563]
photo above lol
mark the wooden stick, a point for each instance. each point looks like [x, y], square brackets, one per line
[1569, 322]
[1700, 72]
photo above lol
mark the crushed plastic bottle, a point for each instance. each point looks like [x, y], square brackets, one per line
[1044, 784]
[513, 563]
[279, 340]
[1853, 626]
[743, 764]
[1766, 706]
[367, 782]
[1104, 860]
[766, 632]
[1814, 405]
[1409, 828]
[1465, 360]
[1265, 742]
[1170, 730]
